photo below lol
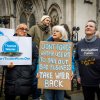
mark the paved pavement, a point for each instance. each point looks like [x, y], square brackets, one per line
[74, 96]
[77, 96]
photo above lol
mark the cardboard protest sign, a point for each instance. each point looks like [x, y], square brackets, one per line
[55, 65]
[15, 49]
[6, 32]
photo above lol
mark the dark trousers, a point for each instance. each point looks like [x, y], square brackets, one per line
[89, 93]
[36, 93]
[13, 97]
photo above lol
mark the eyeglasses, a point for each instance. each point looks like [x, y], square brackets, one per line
[24, 29]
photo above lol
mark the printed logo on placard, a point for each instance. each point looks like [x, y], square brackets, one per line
[10, 48]
[1, 33]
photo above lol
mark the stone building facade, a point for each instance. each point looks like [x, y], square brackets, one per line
[72, 12]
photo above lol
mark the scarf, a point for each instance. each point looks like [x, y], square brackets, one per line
[44, 28]
[91, 40]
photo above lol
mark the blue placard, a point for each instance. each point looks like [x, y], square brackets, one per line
[10, 46]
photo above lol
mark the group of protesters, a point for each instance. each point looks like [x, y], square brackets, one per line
[22, 80]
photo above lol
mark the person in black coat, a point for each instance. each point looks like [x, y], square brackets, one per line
[19, 78]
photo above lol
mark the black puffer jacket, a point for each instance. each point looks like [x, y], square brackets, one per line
[18, 80]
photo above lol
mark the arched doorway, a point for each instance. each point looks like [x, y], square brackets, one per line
[32, 20]
[54, 17]
[55, 13]
[23, 18]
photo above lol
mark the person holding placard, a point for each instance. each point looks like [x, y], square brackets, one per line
[59, 35]
[19, 78]
[73, 61]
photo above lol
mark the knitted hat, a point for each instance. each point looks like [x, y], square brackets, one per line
[44, 17]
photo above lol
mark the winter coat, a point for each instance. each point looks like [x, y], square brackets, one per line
[18, 80]
[39, 33]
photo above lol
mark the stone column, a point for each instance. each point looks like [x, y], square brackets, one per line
[68, 12]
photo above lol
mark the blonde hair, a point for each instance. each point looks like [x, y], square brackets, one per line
[62, 30]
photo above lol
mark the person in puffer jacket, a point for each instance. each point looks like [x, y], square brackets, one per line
[19, 78]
